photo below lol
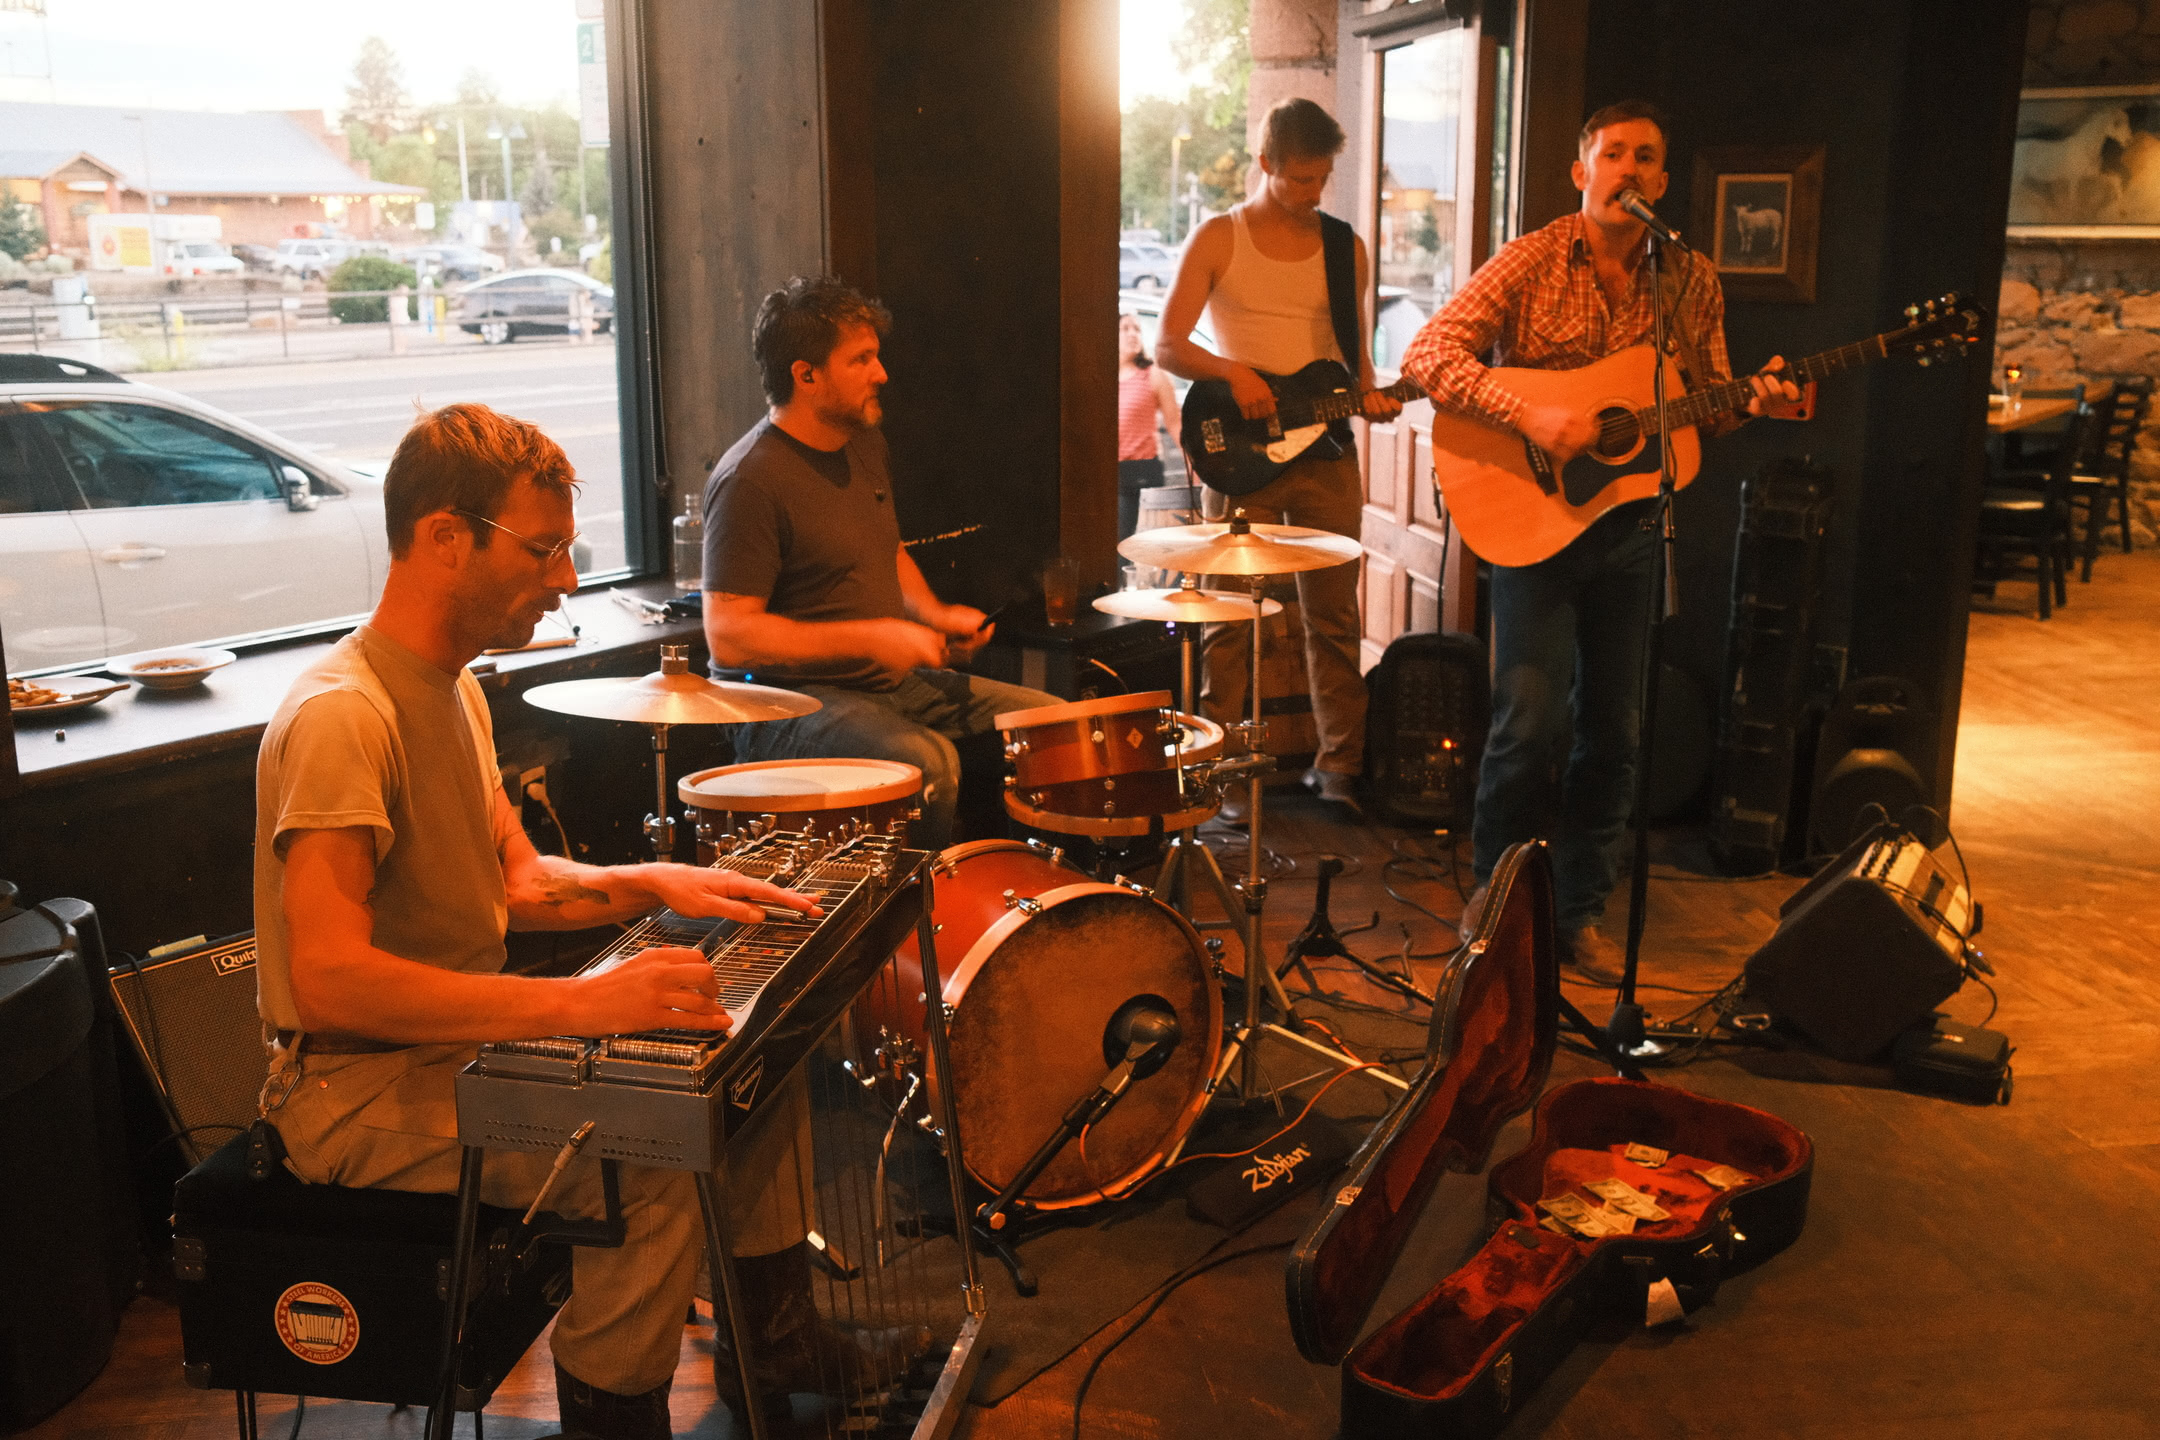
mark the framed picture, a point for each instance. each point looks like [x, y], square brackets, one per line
[1758, 214]
[2087, 164]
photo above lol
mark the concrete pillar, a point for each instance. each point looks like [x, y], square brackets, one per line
[1293, 55]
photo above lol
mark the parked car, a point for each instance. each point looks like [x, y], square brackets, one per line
[256, 257]
[459, 263]
[526, 302]
[133, 518]
[1145, 266]
[200, 257]
[309, 259]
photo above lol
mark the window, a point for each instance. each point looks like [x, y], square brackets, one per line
[472, 146]
[1421, 112]
[129, 455]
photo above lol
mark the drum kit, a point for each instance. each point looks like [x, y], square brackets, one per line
[1051, 962]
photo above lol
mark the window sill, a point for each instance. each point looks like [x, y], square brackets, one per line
[141, 728]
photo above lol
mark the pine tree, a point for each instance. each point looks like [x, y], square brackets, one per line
[21, 231]
[376, 98]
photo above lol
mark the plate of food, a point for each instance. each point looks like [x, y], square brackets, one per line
[57, 694]
[170, 669]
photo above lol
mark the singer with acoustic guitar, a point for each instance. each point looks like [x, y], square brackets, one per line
[1569, 630]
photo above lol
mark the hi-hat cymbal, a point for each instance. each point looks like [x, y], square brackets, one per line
[667, 698]
[1181, 607]
[1237, 548]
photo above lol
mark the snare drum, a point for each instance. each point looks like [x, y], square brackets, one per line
[1039, 961]
[816, 796]
[1109, 756]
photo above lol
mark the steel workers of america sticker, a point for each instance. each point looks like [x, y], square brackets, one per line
[316, 1323]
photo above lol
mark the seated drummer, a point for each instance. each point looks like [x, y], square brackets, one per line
[807, 585]
[388, 862]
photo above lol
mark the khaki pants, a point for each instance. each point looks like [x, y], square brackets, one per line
[389, 1121]
[1320, 495]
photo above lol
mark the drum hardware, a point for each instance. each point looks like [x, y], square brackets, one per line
[1241, 547]
[667, 697]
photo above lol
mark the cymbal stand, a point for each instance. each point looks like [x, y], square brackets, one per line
[1243, 1049]
[1185, 851]
[660, 825]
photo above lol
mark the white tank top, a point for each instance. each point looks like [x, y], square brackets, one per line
[1271, 314]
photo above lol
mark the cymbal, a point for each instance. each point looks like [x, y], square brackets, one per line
[1237, 548]
[1179, 606]
[665, 698]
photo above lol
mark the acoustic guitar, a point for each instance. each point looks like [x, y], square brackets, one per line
[1512, 506]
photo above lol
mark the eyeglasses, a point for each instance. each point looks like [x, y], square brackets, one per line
[545, 554]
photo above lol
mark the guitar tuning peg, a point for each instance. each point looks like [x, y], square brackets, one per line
[1912, 312]
[1924, 359]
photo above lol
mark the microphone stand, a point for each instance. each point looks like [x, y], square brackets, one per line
[1626, 1027]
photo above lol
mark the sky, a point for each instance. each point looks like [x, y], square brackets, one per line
[225, 55]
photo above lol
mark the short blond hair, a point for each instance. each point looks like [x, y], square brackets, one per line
[1298, 129]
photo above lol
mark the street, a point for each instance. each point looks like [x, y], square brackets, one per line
[350, 410]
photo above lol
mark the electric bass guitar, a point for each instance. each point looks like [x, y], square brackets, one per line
[1237, 456]
[1513, 506]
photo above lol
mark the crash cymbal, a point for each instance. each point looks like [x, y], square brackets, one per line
[671, 697]
[1239, 547]
[1182, 606]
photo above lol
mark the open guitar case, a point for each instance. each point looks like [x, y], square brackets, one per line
[1457, 1362]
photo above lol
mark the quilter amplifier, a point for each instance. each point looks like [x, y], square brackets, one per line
[1869, 946]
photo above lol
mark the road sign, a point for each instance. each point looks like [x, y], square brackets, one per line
[592, 83]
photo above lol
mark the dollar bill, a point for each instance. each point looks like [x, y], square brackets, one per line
[1569, 1210]
[1615, 1221]
[1647, 1156]
[1621, 1196]
[1724, 1176]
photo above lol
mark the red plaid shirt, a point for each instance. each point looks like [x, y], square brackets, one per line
[1537, 304]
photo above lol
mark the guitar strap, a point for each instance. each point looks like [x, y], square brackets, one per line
[1672, 285]
[1338, 254]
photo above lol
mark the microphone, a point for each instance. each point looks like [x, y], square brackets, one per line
[1633, 202]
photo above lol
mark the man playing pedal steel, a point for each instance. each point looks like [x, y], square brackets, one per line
[388, 863]
[806, 582]
[1260, 274]
[1568, 631]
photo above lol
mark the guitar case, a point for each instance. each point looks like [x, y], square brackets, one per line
[1459, 1360]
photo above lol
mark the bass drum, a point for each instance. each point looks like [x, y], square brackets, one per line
[1039, 960]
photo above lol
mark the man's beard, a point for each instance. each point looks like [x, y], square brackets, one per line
[854, 420]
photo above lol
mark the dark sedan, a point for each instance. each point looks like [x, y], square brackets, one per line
[529, 302]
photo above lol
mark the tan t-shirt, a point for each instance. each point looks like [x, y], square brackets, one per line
[372, 735]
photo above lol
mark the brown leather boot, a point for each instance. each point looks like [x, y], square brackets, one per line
[1589, 956]
[797, 1351]
[590, 1413]
[1472, 912]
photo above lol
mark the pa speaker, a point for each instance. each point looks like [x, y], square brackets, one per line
[192, 1017]
[1865, 760]
[1869, 946]
[1431, 700]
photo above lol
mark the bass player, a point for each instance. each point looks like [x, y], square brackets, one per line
[1569, 631]
[1261, 275]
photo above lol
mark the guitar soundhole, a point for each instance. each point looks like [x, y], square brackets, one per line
[1619, 437]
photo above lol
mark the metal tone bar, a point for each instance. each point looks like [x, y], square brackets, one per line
[948, 1398]
[727, 1295]
[948, 1114]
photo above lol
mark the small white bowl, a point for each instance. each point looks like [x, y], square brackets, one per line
[170, 669]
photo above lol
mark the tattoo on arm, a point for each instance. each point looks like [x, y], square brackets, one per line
[561, 890]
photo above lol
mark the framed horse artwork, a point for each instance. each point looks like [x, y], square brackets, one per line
[1757, 214]
[2087, 164]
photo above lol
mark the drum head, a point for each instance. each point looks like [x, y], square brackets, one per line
[788, 786]
[1028, 1035]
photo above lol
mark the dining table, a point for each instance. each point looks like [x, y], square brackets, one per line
[2004, 418]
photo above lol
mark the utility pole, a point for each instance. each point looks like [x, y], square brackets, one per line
[1177, 143]
[464, 171]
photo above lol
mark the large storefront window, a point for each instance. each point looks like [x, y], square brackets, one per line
[1421, 111]
[298, 252]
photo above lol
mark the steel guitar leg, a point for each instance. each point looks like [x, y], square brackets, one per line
[948, 1116]
[443, 1418]
[727, 1294]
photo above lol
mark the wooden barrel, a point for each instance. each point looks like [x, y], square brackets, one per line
[1293, 733]
[1162, 506]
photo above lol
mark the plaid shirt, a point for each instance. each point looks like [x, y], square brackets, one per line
[1537, 304]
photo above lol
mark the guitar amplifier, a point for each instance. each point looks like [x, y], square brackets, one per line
[1869, 946]
[191, 1013]
[1431, 701]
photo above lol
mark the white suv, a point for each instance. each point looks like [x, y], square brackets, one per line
[309, 258]
[133, 518]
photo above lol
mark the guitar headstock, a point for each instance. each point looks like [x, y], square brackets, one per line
[1937, 329]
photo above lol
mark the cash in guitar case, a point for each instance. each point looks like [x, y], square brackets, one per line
[1457, 1362]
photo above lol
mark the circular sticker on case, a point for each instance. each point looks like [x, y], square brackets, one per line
[316, 1323]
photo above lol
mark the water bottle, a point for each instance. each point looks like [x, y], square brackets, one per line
[690, 546]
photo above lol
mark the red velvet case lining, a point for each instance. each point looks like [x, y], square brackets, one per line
[1438, 1346]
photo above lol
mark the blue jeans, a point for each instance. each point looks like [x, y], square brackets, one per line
[915, 724]
[1568, 637]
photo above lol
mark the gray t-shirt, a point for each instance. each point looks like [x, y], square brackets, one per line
[811, 536]
[373, 736]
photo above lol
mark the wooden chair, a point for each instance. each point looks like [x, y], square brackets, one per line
[2017, 519]
[2105, 476]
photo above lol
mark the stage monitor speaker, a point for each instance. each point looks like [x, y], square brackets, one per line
[191, 1014]
[1430, 703]
[1869, 946]
[1866, 760]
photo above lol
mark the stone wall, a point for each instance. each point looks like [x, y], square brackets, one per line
[2090, 309]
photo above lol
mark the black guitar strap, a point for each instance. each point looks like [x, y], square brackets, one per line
[1338, 254]
[1673, 283]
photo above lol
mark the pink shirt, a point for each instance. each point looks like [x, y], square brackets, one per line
[1136, 417]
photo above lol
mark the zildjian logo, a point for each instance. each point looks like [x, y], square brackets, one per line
[1267, 1169]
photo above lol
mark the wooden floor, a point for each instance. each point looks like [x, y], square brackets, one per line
[1965, 1271]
